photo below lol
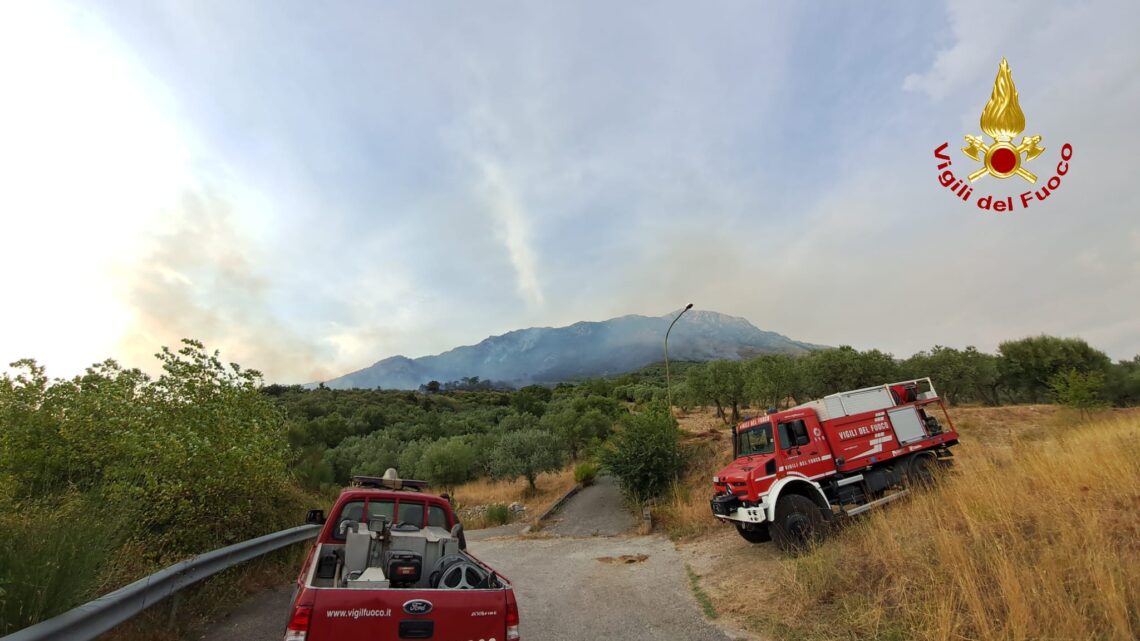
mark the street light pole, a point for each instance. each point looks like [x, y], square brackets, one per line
[668, 386]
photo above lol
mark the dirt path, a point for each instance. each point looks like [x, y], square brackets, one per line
[598, 510]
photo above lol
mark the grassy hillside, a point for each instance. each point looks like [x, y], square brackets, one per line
[1032, 537]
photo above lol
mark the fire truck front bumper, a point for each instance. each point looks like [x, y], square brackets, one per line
[730, 508]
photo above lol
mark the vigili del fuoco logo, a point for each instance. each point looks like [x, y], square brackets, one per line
[1002, 120]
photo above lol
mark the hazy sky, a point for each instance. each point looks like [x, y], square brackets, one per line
[311, 187]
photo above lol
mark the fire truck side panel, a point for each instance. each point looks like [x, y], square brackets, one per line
[861, 440]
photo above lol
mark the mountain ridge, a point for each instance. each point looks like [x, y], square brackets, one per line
[548, 355]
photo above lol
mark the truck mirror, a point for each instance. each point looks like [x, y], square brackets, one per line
[770, 468]
[315, 517]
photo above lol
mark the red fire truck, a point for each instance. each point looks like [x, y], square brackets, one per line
[797, 470]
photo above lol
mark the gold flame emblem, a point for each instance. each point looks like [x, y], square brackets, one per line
[1003, 120]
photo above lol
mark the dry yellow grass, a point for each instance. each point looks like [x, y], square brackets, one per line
[1035, 536]
[487, 492]
[684, 514]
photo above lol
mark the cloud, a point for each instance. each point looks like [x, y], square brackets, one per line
[199, 279]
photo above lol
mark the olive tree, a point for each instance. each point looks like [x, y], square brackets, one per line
[526, 453]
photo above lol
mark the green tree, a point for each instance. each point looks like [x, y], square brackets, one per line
[771, 378]
[1027, 365]
[369, 455]
[1122, 383]
[531, 399]
[697, 380]
[577, 429]
[526, 453]
[835, 370]
[960, 376]
[518, 422]
[644, 454]
[1078, 390]
[726, 384]
[447, 462]
[410, 457]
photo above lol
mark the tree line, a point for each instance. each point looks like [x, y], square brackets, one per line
[446, 435]
[1038, 369]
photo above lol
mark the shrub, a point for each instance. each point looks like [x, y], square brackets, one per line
[47, 563]
[644, 454]
[497, 514]
[586, 472]
[188, 462]
[1077, 390]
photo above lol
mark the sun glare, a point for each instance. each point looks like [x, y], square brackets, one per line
[88, 157]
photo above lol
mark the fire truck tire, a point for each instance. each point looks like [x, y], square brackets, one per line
[799, 522]
[758, 534]
[920, 472]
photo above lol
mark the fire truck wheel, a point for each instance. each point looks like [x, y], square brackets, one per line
[758, 534]
[920, 472]
[798, 523]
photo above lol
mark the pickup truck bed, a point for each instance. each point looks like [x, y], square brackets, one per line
[393, 565]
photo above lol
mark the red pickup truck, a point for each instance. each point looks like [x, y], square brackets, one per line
[391, 563]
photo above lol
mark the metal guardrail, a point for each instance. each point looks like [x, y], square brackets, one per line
[89, 620]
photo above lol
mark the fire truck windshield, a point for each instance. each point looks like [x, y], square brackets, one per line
[755, 440]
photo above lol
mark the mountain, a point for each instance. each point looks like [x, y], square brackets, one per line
[584, 349]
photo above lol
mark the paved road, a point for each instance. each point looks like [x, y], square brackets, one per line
[598, 510]
[570, 581]
[565, 593]
[261, 618]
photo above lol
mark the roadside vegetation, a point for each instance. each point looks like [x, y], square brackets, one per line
[473, 497]
[111, 475]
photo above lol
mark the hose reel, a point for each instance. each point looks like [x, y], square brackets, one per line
[455, 572]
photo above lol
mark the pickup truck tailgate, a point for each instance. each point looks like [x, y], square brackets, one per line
[383, 615]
